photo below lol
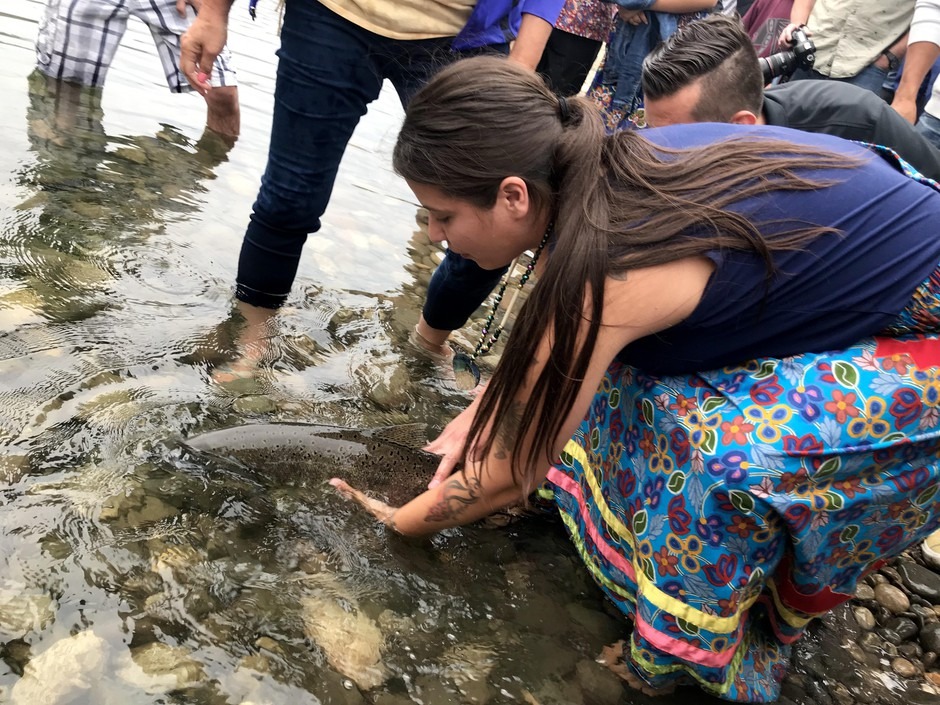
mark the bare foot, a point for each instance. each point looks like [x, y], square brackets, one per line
[253, 344]
[232, 372]
[612, 657]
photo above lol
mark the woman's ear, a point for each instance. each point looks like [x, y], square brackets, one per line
[514, 195]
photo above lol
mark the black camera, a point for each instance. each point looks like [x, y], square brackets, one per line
[800, 55]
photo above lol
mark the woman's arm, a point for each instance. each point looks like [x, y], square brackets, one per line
[681, 6]
[629, 8]
[642, 303]
[531, 40]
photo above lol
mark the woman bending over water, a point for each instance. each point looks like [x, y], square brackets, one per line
[727, 377]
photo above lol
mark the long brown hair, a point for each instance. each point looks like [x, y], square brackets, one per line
[618, 203]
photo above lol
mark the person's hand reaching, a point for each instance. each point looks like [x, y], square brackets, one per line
[377, 508]
[634, 17]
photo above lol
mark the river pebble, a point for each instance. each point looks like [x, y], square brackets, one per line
[904, 668]
[890, 636]
[855, 651]
[930, 637]
[903, 627]
[892, 598]
[921, 581]
[887, 638]
[864, 617]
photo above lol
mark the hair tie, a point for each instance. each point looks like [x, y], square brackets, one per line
[563, 111]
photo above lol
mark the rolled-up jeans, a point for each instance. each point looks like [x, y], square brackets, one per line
[328, 72]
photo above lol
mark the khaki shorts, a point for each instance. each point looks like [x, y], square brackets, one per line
[78, 38]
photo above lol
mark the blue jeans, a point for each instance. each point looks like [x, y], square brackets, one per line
[328, 72]
[929, 127]
[871, 78]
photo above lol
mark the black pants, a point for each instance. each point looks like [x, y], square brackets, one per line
[566, 61]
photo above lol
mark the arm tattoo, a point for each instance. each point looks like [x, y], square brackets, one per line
[456, 498]
[508, 431]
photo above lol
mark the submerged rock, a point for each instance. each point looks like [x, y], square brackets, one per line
[22, 613]
[171, 663]
[865, 619]
[904, 668]
[351, 641]
[598, 684]
[62, 672]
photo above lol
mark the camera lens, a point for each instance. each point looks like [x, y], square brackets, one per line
[779, 64]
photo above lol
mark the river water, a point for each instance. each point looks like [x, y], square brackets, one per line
[132, 572]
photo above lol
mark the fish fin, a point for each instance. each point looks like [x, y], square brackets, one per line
[410, 435]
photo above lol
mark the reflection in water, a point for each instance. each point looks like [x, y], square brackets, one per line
[95, 196]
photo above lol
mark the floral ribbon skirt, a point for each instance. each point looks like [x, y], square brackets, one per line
[722, 511]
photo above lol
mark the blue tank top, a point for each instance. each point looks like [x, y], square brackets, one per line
[837, 290]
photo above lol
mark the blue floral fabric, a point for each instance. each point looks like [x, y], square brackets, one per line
[723, 511]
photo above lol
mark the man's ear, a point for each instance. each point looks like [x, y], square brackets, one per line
[514, 193]
[743, 117]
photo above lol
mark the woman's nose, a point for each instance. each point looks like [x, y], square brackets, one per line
[435, 231]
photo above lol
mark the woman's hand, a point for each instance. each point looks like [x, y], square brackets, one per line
[377, 508]
[452, 439]
[450, 445]
[634, 17]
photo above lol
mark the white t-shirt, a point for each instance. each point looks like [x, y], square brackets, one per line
[925, 27]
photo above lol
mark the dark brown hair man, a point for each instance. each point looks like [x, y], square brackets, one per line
[708, 72]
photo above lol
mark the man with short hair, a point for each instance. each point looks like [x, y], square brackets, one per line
[708, 72]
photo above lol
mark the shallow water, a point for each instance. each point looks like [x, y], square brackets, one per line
[133, 572]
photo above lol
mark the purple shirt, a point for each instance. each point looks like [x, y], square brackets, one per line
[497, 21]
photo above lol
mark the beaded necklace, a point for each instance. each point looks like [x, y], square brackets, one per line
[464, 362]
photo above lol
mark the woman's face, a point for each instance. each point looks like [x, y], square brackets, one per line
[491, 237]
